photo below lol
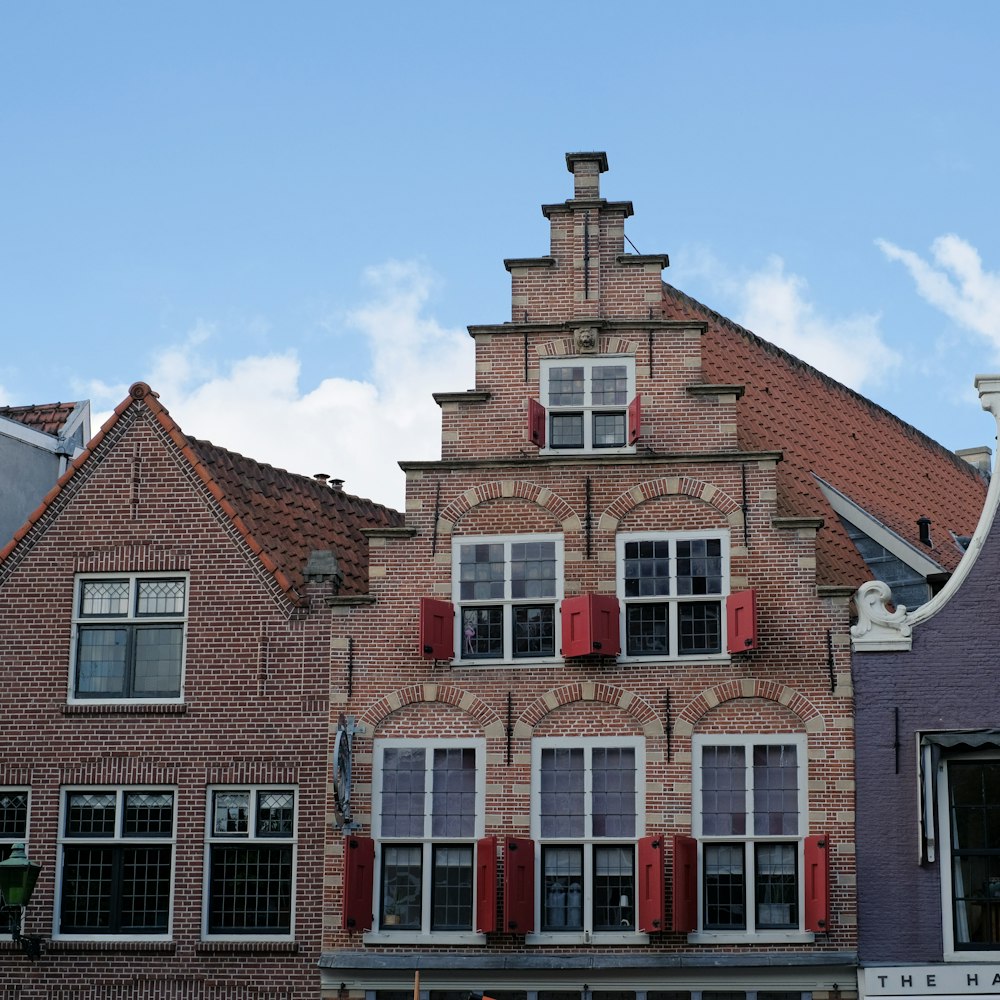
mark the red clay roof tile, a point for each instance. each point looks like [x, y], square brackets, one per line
[49, 418]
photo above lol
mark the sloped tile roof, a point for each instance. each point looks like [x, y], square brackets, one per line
[282, 517]
[49, 418]
[824, 429]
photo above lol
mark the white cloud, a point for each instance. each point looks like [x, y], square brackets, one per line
[354, 429]
[955, 283]
[775, 305]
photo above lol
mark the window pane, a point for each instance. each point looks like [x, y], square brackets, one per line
[609, 385]
[158, 660]
[404, 782]
[454, 794]
[13, 814]
[451, 895]
[566, 386]
[104, 597]
[775, 790]
[231, 813]
[148, 814]
[145, 890]
[275, 813]
[534, 630]
[160, 597]
[724, 887]
[566, 430]
[90, 814]
[699, 566]
[86, 889]
[723, 791]
[482, 632]
[561, 792]
[532, 570]
[250, 889]
[776, 888]
[647, 568]
[647, 629]
[101, 656]
[614, 888]
[481, 572]
[699, 626]
[613, 802]
[609, 430]
[401, 887]
[562, 888]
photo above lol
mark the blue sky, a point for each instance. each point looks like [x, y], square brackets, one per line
[283, 216]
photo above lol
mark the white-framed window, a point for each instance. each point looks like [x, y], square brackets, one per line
[672, 587]
[128, 637]
[13, 830]
[250, 861]
[587, 814]
[116, 853]
[429, 798]
[507, 590]
[750, 819]
[586, 401]
[969, 807]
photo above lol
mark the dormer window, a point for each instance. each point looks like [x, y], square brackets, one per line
[587, 404]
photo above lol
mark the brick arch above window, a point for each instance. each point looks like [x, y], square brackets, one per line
[606, 694]
[743, 688]
[667, 486]
[508, 489]
[443, 694]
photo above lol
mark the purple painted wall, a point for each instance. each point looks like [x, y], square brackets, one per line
[950, 680]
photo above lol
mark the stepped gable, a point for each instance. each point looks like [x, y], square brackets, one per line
[49, 418]
[290, 515]
[825, 429]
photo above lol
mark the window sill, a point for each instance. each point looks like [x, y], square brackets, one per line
[527, 661]
[124, 708]
[256, 946]
[110, 944]
[742, 937]
[665, 658]
[587, 937]
[417, 937]
[578, 452]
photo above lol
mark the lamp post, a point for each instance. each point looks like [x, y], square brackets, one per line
[18, 876]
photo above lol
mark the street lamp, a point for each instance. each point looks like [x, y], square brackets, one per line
[18, 876]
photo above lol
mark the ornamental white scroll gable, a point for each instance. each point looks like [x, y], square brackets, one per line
[878, 628]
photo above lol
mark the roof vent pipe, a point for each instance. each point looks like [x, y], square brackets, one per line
[337, 485]
[924, 524]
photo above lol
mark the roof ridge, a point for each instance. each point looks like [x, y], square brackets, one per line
[829, 380]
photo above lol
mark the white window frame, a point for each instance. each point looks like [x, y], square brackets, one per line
[7, 841]
[587, 409]
[951, 952]
[213, 840]
[508, 603]
[129, 621]
[750, 839]
[427, 842]
[118, 840]
[673, 600]
[588, 841]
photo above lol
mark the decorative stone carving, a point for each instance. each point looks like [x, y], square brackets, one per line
[586, 339]
[878, 628]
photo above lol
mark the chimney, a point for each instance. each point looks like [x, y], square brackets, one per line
[586, 169]
[978, 458]
[924, 526]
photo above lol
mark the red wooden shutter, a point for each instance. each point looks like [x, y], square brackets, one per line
[685, 901]
[536, 423]
[741, 621]
[437, 629]
[486, 885]
[359, 879]
[817, 873]
[650, 895]
[519, 885]
[590, 625]
[634, 420]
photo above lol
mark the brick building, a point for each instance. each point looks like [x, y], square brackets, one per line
[164, 648]
[928, 773]
[601, 718]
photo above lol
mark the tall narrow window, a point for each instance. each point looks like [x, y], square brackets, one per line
[13, 830]
[117, 848]
[430, 805]
[251, 860]
[129, 634]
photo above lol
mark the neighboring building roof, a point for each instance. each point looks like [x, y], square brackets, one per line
[282, 516]
[49, 418]
[824, 429]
